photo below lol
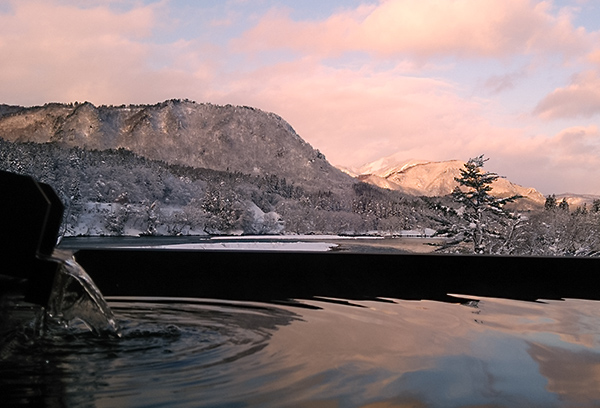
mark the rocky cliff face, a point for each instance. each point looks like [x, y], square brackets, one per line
[227, 138]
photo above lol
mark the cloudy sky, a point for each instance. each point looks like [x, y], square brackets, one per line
[516, 80]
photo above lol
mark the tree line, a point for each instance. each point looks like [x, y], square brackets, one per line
[112, 191]
[116, 192]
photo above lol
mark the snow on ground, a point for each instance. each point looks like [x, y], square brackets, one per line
[251, 246]
[292, 237]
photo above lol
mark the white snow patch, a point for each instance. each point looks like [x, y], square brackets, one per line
[251, 246]
[294, 237]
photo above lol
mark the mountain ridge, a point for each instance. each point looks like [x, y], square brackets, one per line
[224, 138]
[437, 178]
[232, 138]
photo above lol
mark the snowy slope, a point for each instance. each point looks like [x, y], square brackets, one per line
[419, 177]
[577, 200]
[224, 138]
[386, 166]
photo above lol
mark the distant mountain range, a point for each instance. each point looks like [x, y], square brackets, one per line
[577, 200]
[234, 139]
[427, 178]
[182, 168]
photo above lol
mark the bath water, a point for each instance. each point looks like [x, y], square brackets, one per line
[319, 352]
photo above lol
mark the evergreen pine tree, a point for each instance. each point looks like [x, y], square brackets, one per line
[564, 205]
[474, 193]
[550, 203]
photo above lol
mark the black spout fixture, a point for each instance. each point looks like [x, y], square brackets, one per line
[31, 215]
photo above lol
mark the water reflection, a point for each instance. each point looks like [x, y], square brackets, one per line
[486, 352]
[442, 355]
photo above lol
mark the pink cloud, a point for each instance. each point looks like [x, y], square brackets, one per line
[565, 162]
[355, 116]
[594, 57]
[358, 116]
[58, 51]
[425, 28]
[53, 51]
[581, 98]
[582, 142]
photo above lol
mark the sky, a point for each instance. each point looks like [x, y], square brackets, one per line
[515, 80]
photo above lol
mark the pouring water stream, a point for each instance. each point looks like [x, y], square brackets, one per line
[76, 300]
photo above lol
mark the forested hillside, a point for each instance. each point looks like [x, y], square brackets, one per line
[116, 192]
[226, 138]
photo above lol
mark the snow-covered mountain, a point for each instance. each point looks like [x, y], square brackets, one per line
[388, 165]
[426, 178]
[224, 138]
[577, 200]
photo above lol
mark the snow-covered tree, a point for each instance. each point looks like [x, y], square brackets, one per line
[563, 205]
[550, 204]
[473, 192]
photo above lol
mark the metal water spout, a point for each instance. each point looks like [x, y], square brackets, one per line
[30, 218]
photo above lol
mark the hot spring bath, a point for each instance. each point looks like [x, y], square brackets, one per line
[328, 352]
[235, 329]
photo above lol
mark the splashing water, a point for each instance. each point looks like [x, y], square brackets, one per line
[76, 303]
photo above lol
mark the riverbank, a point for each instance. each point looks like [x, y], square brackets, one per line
[365, 244]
